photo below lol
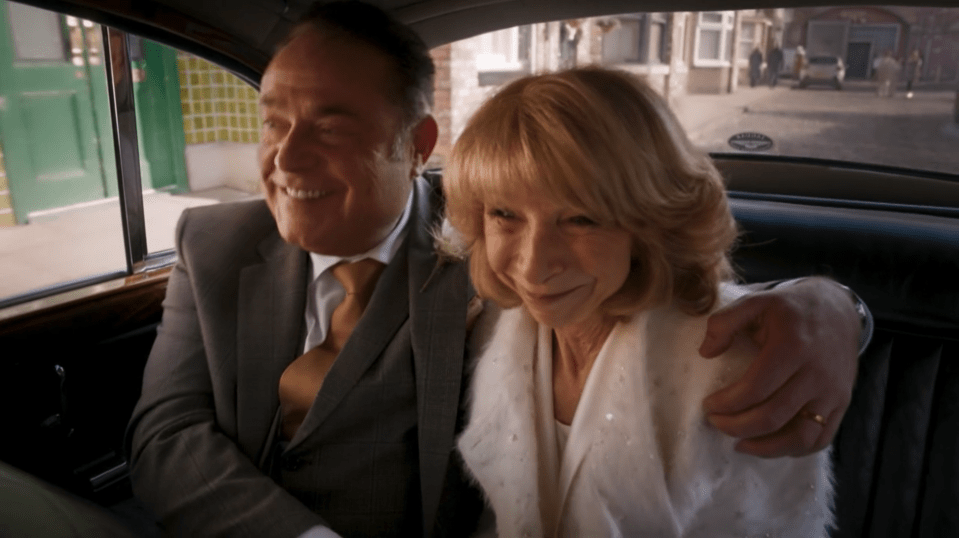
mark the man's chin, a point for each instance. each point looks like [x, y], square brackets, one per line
[331, 243]
[312, 244]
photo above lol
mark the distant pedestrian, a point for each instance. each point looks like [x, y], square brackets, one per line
[774, 62]
[913, 71]
[569, 36]
[799, 62]
[755, 67]
[887, 69]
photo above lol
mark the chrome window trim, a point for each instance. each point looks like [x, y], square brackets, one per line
[124, 120]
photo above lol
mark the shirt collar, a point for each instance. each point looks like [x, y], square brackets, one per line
[382, 252]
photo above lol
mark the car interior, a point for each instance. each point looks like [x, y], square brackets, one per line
[70, 369]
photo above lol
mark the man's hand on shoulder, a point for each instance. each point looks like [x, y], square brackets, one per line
[793, 396]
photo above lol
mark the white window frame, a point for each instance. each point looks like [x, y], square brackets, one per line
[725, 29]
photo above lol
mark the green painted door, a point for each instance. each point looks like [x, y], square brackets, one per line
[156, 89]
[54, 120]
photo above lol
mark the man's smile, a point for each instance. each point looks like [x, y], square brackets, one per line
[304, 194]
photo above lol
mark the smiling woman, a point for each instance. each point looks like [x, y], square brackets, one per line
[529, 238]
[587, 210]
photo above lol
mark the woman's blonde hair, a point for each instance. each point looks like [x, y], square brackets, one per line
[602, 142]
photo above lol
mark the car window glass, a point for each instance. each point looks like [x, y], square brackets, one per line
[60, 218]
[867, 84]
[198, 129]
[57, 169]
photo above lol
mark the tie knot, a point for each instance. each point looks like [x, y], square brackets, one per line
[358, 278]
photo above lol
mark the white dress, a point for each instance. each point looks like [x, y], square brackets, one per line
[640, 458]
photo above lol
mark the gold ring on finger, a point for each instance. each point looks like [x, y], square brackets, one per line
[815, 417]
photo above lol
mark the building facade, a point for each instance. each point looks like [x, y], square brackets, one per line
[861, 34]
[677, 53]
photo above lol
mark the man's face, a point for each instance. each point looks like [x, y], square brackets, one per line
[331, 175]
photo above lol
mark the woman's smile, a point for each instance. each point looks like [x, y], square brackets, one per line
[550, 299]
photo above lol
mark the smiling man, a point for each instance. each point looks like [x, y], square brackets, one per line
[307, 377]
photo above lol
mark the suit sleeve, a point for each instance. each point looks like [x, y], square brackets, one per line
[194, 477]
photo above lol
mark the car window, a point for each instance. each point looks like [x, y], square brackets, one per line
[57, 165]
[210, 155]
[870, 85]
[61, 223]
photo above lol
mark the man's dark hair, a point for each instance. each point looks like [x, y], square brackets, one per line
[371, 25]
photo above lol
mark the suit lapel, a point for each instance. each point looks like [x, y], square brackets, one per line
[438, 297]
[271, 299]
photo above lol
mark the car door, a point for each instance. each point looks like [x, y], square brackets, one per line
[81, 293]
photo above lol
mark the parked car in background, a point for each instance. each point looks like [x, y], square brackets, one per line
[823, 70]
[114, 116]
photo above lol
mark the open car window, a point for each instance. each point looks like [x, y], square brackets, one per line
[864, 85]
[189, 127]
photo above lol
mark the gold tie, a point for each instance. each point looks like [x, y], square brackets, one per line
[302, 379]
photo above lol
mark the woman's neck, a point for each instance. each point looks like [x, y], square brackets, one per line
[574, 351]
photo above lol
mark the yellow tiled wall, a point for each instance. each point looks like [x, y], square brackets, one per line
[217, 106]
[6, 206]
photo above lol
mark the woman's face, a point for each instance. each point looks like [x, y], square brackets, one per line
[560, 262]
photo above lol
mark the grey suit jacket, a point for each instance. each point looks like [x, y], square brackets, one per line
[202, 438]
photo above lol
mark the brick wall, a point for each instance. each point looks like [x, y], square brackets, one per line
[457, 93]
[442, 112]
[466, 94]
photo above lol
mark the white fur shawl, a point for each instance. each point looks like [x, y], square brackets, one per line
[641, 460]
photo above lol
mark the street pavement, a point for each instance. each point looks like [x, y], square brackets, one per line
[854, 124]
[87, 240]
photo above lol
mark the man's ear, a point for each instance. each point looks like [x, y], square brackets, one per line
[424, 140]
